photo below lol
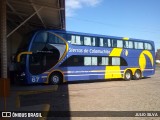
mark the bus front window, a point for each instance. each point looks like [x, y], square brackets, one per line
[47, 50]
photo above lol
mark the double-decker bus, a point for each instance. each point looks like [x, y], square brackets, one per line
[54, 57]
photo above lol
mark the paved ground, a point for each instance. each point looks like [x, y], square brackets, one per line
[134, 95]
[117, 95]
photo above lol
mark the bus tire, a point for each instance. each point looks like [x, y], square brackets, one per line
[128, 75]
[55, 78]
[137, 75]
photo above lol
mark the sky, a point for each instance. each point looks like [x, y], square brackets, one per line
[138, 19]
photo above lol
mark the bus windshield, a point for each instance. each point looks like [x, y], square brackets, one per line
[47, 49]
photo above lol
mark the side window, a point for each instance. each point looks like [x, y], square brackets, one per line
[94, 60]
[73, 61]
[41, 37]
[123, 62]
[118, 61]
[115, 61]
[90, 60]
[109, 42]
[62, 35]
[148, 46]
[53, 39]
[39, 42]
[93, 41]
[76, 61]
[119, 43]
[128, 44]
[104, 42]
[138, 45]
[87, 61]
[97, 42]
[103, 61]
[75, 40]
[101, 42]
[87, 41]
[69, 38]
[114, 43]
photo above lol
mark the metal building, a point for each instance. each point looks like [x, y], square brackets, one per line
[18, 17]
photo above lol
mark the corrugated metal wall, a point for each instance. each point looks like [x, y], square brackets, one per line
[3, 39]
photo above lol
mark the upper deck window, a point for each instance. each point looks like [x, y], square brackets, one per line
[101, 42]
[75, 39]
[87, 41]
[109, 42]
[138, 45]
[93, 43]
[41, 37]
[104, 42]
[62, 35]
[128, 44]
[119, 43]
[148, 46]
[114, 43]
[53, 39]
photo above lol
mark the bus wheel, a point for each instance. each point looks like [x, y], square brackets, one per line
[55, 79]
[137, 75]
[128, 75]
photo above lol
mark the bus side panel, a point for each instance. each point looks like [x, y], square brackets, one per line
[113, 72]
[84, 73]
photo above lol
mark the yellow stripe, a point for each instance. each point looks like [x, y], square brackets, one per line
[116, 52]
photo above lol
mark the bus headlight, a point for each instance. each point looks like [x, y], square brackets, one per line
[22, 74]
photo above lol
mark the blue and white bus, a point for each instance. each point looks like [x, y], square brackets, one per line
[55, 57]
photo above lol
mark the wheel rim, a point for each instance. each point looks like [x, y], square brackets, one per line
[128, 75]
[137, 74]
[55, 79]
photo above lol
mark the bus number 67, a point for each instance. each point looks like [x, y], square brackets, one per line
[35, 79]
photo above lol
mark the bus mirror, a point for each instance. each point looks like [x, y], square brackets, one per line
[22, 53]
